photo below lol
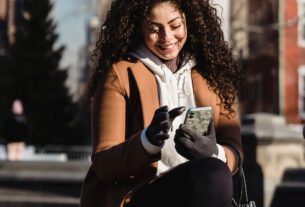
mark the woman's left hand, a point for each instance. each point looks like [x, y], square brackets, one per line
[192, 145]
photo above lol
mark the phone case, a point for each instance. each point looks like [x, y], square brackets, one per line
[198, 119]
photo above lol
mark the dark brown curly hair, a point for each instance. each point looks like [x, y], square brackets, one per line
[121, 32]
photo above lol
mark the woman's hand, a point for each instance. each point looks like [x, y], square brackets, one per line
[192, 145]
[161, 123]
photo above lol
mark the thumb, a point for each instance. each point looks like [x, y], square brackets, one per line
[176, 112]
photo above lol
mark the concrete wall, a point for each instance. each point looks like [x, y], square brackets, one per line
[277, 147]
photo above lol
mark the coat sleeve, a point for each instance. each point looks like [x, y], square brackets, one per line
[115, 157]
[228, 135]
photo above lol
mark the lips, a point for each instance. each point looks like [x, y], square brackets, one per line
[167, 47]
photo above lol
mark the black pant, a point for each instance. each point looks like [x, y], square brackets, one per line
[205, 182]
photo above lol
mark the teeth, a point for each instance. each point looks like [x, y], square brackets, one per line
[170, 46]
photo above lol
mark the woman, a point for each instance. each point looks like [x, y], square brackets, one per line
[16, 132]
[157, 58]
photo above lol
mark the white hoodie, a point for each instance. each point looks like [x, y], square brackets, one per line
[175, 89]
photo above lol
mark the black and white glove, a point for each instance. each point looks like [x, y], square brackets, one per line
[192, 145]
[161, 123]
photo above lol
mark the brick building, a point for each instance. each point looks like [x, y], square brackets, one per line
[274, 56]
[261, 61]
[10, 10]
[292, 70]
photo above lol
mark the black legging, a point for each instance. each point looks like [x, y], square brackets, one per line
[205, 182]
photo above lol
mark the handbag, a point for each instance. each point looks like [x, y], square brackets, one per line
[242, 200]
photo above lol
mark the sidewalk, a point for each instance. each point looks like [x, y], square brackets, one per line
[38, 184]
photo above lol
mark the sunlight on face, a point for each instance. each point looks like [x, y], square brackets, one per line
[164, 31]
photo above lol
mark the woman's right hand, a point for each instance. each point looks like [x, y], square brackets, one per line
[161, 123]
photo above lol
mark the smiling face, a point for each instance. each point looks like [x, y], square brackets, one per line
[164, 31]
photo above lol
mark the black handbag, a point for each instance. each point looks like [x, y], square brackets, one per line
[242, 200]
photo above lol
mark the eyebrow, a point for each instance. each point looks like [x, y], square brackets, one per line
[156, 23]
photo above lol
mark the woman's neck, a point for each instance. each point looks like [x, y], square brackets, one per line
[171, 64]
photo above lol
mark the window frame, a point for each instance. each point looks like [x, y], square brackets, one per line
[301, 23]
[301, 91]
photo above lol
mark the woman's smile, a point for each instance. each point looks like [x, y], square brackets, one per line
[164, 31]
[167, 48]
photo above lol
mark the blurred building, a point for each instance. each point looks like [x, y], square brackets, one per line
[292, 57]
[7, 24]
[10, 11]
[86, 62]
[268, 37]
[104, 6]
[86, 59]
[238, 21]
[260, 58]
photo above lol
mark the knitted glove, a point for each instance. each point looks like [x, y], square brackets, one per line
[191, 145]
[162, 121]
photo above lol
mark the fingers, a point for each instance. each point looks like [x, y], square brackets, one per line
[163, 126]
[160, 117]
[161, 109]
[157, 131]
[187, 131]
[183, 151]
[162, 137]
[184, 141]
[162, 114]
[184, 146]
[172, 113]
[162, 122]
[176, 112]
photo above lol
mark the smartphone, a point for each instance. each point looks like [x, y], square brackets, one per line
[198, 119]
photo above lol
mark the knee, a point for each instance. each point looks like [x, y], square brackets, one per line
[210, 167]
[211, 172]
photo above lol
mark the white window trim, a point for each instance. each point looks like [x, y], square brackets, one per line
[301, 23]
[301, 94]
[223, 11]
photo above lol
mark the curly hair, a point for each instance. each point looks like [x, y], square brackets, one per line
[121, 32]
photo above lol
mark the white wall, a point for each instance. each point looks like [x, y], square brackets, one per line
[223, 8]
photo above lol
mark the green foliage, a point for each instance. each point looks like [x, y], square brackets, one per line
[39, 82]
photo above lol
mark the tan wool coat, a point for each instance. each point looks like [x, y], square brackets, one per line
[124, 104]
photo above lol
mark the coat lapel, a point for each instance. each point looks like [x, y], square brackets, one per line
[148, 91]
[203, 96]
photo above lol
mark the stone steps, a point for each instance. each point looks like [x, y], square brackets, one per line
[291, 192]
[41, 184]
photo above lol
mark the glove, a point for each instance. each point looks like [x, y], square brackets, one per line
[192, 145]
[162, 121]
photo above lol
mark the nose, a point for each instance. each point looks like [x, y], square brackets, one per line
[166, 35]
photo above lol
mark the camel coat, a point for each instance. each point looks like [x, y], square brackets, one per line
[124, 104]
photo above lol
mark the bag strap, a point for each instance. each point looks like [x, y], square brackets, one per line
[242, 185]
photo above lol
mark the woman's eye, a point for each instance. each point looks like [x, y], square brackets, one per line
[176, 26]
[154, 30]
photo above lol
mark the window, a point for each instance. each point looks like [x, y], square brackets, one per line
[301, 26]
[223, 11]
[302, 91]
